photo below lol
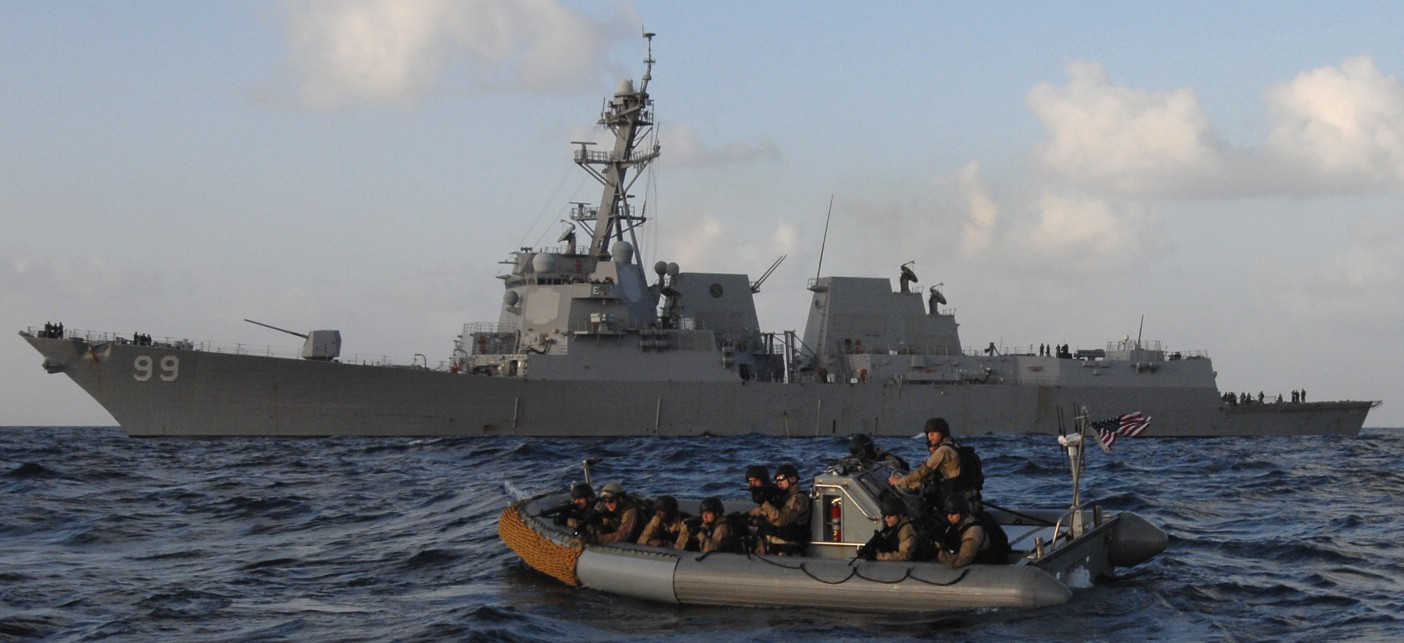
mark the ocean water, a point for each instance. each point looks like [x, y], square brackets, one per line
[104, 537]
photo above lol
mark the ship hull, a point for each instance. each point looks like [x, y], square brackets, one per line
[170, 391]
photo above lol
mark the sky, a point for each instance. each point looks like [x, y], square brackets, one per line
[1223, 178]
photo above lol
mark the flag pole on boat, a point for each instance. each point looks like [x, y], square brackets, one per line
[1072, 443]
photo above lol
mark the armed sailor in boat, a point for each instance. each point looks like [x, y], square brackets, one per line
[618, 516]
[783, 520]
[942, 473]
[710, 531]
[862, 447]
[666, 525]
[577, 513]
[965, 540]
[897, 540]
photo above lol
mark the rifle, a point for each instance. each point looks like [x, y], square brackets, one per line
[761, 494]
[869, 550]
[559, 512]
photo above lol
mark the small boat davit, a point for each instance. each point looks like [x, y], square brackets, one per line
[1051, 552]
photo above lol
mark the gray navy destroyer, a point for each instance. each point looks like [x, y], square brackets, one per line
[591, 342]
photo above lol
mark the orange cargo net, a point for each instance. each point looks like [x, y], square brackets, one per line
[539, 552]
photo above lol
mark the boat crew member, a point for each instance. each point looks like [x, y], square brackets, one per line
[898, 538]
[964, 540]
[784, 521]
[943, 464]
[619, 516]
[577, 514]
[710, 531]
[762, 489]
[863, 448]
[665, 526]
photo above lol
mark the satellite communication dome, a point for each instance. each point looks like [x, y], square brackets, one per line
[622, 252]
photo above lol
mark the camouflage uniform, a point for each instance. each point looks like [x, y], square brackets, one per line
[972, 542]
[944, 464]
[898, 543]
[662, 532]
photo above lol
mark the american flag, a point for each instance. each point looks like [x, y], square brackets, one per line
[1128, 425]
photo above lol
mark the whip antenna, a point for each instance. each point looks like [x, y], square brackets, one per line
[825, 242]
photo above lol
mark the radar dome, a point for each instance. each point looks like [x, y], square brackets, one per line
[673, 269]
[511, 298]
[622, 252]
[543, 262]
[661, 268]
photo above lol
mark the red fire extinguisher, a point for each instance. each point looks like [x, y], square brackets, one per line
[836, 519]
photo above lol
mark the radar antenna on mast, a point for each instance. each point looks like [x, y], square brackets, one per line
[628, 115]
[908, 277]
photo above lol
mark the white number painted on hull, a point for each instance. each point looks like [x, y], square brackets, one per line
[145, 368]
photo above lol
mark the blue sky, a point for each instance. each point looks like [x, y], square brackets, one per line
[1233, 172]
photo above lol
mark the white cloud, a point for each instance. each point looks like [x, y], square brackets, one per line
[395, 51]
[981, 207]
[1083, 234]
[1332, 130]
[1131, 139]
[1344, 124]
[683, 147]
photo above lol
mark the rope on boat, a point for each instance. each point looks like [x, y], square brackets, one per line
[963, 572]
[905, 576]
[543, 555]
[802, 567]
[853, 572]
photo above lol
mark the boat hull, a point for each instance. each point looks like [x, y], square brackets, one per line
[691, 578]
[164, 390]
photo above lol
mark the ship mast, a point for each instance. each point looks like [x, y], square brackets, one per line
[630, 116]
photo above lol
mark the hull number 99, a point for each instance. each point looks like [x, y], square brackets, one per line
[146, 368]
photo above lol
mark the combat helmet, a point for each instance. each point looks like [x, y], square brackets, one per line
[758, 472]
[713, 505]
[957, 503]
[668, 505]
[611, 490]
[894, 507]
[861, 446]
